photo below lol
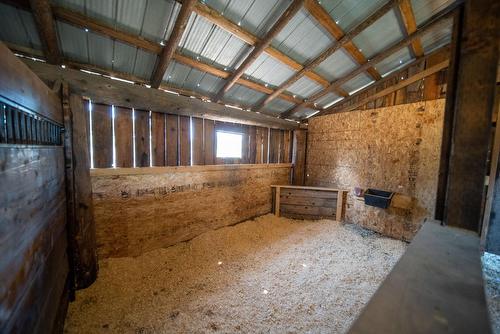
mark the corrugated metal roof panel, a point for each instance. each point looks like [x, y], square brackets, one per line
[151, 19]
[267, 69]
[337, 65]
[349, 13]
[73, 42]
[424, 9]
[100, 50]
[215, 45]
[394, 61]
[304, 87]
[278, 106]
[328, 99]
[356, 83]
[18, 27]
[144, 64]
[124, 57]
[437, 38]
[185, 77]
[243, 96]
[255, 16]
[381, 34]
[303, 38]
[303, 113]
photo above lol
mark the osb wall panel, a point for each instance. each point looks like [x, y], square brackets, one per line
[145, 209]
[394, 148]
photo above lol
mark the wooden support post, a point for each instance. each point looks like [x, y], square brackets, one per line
[80, 213]
[340, 205]
[299, 157]
[277, 195]
[45, 24]
[476, 68]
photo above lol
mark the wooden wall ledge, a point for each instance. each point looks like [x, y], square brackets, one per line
[180, 169]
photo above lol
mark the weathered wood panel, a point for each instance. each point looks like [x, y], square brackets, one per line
[299, 157]
[17, 80]
[172, 140]
[102, 136]
[395, 149]
[197, 145]
[209, 128]
[252, 144]
[140, 210]
[124, 133]
[184, 141]
[262, 142]
[274, 146]
[141, 138]
[158, 137]
[287, 146]
[34, 264]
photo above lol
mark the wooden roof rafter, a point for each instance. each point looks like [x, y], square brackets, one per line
[260, 46]
[346, 39]
[45, 25]
[431, 23]
[95, 25]
[408, 18]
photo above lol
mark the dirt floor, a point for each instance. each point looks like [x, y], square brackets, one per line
[268, 275]
[491, 273]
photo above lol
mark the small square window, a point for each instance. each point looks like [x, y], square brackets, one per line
[229, 144]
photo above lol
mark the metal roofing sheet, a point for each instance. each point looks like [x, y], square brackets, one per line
[18, 27]
[394, 61]
[267, 69]
[216, 46]
[256, 16]
[303, 38]
[328, 99]
[337, 65]
[304, 113]
[73, 42]
[349, 13]
[153, 20]
[304, 87]
[437, 38]
[381, 34]
[185, 77]
[243, 96]
[278, 106]
[358, 82]
[424, 9]
[144, 64]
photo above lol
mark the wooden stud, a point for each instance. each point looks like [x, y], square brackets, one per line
[277, 196]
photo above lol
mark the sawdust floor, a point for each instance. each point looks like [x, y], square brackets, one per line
[268, 275]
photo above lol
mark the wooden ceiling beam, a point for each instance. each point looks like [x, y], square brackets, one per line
[347, 38]
[222, 22]
[408, 18]
[83, 21]
[175, 37]
[45, 25]
[259, 48]
[431, 24]
[322, 16]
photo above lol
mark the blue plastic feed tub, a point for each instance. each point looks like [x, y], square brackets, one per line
[378, 198]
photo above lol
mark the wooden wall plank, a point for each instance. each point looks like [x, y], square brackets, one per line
[197, 144]
[209, 141]
[172, 140]
[262, 142]
[274, 146]
[252, 144]
[184, 141]
[141, 138]
[124, 133]
[281, 146]
[102, 133]
[299, 157]
[287, 146]
[158, 137]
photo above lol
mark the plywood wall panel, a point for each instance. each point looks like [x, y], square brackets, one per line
[138, 213]
[141, 138]
[102, 136]
[393, 148]
[158, 137]
[124, 133]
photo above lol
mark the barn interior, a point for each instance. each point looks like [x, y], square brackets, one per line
[261, 166]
